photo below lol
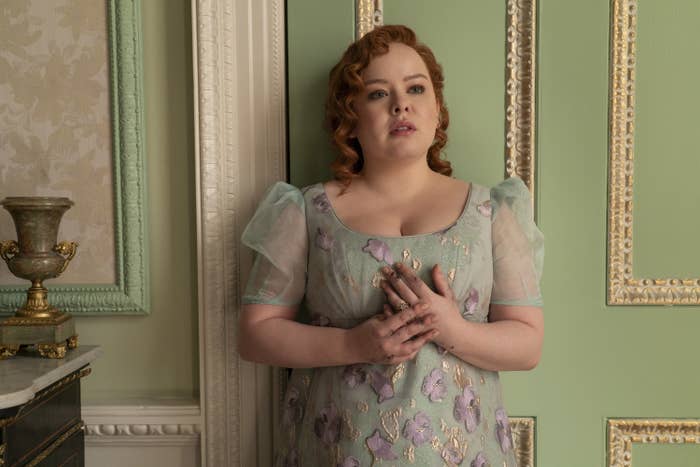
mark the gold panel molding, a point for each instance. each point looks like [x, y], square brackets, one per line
[623, 287]
[368, 14]
[520, 68]
[622, 433]
[523, 429]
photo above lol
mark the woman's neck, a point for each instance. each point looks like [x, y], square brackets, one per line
[391, 179]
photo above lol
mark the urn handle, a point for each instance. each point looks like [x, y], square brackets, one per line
[66, 249]
[8, 249]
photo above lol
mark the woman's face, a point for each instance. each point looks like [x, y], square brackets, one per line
[397, 111]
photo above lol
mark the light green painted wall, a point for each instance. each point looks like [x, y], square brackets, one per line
[598, 361]
[156, 355]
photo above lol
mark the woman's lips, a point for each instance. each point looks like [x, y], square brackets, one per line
[402, 129]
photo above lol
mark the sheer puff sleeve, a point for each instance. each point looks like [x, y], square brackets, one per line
[277, 234]
[518, 246]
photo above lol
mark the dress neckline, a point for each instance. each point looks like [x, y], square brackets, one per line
[331, 209]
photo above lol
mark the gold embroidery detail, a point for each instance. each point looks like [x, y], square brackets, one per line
[445, 366]
[456, 440]
[482, 379]
[377, 279]
[406, 254]
[351, 432]
[353, 284]
[443, 424]
[410, 454]
[362, 406]
[435, 443]
[451, 275]
[461, 379]
[390, 423]
[416, 264]
[412, 403]
[455, 241]
[466, 249]
[443, 240]
[483, 442]
[398, 373]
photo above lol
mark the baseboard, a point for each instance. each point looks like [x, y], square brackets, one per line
[146, 424]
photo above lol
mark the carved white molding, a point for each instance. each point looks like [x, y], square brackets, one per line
[139, 425]
[238, 48]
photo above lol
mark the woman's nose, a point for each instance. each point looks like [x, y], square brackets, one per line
[399, 107]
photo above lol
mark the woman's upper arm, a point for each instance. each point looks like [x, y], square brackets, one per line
[254, 313]
[530, 315]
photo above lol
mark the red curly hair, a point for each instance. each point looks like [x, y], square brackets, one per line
[345, 84]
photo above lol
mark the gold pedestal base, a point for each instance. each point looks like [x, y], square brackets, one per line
[50, 337]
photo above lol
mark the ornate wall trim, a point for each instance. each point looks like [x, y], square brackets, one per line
[523, 429]
[623, 287]
[368, 15]
[138, 425]
[239, 68]
[622, 433]
[129, 295]
[520, 92]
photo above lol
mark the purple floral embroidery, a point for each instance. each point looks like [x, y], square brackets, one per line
[467, 409]
[355, 375]
[434, 385]
[503, 433]
[380, 447]
[418, 430]
[327, 425]
[451, 455]
[379, 250]
[485, 208]
[291, 459]
[382, 386]
[472, 301]
[321, 203]
[293, 407]
[480, 461]
[323, 240]
[350, 461]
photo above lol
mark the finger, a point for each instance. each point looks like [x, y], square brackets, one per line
[410, 331]
[441, 284]
[397, 320]
[397, 303]
[418, 313]
[387, 310]
[413, 282]
[399, 286]
[420, 340]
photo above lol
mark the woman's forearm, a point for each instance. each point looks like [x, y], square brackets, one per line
[506, 345]
[286, 343]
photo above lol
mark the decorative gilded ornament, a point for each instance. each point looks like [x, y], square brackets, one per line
[36, 256]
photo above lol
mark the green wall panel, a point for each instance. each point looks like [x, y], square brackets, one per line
[666, 226]
[156, 355]
[598, 361]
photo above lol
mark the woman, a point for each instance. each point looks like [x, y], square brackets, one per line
[420, 286]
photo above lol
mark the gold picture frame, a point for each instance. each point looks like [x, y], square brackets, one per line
[623, 287]
[623, 433]
[523, 429]
[520, 89]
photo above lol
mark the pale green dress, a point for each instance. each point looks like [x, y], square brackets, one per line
[434, 410]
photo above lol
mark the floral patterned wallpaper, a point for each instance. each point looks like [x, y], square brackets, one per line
[55, 125]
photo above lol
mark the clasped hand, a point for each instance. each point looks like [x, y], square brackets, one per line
[397, 336]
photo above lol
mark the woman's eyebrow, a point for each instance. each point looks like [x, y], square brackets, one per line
[407, 78]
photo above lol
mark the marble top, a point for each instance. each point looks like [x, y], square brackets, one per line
[22, 376]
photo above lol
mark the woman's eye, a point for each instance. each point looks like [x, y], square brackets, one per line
[377, 94]
[416, 89]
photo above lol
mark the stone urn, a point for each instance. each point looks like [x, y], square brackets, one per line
[36, 256]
